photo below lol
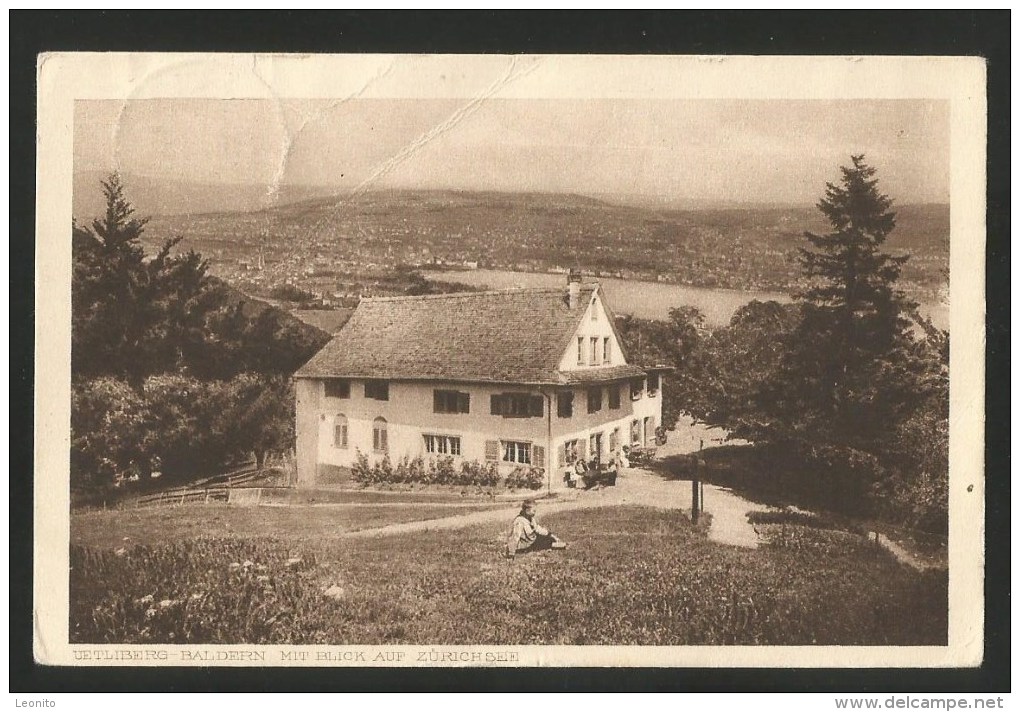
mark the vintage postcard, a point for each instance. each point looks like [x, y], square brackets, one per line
[411, 360]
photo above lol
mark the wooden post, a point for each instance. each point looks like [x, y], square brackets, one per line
[695, 500]
[697, 487]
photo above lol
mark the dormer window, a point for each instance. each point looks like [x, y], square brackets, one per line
[594, 355]
[606, 349]
[580, 350]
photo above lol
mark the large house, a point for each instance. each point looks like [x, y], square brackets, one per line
[534, 377]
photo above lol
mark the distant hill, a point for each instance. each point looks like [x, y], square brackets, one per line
[152, 196]
[739, 247]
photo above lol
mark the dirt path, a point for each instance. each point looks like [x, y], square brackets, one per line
[634, 486]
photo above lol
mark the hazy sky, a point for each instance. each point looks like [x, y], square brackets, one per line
[712, 150]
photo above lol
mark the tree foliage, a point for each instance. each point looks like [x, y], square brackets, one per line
[846, 367]
[674, 343]
[735, 374]
[172, 370]
[133, 317]
[845, 391]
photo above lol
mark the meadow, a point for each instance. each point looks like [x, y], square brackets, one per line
[632, 575]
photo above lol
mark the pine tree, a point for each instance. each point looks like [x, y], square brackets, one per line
[845, 366]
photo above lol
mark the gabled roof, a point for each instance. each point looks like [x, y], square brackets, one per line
[511, 336]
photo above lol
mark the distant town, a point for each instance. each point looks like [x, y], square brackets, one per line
[336, 253]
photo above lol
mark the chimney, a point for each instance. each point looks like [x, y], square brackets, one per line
[573, 288]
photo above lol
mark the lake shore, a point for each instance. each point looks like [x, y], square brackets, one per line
[647, 300]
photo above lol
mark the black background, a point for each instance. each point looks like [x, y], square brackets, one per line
[975, 33]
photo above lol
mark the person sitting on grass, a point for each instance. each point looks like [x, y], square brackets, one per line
[526, 534]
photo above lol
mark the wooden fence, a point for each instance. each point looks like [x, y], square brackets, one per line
[212, 489]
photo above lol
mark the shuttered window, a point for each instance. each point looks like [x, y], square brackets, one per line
[538, 456]
[565, 404]
[442, 444]
[492, 450]
[338, 388]
[570, 452]
[517, 405]
[377, 390]
[614, 397]
[340, 431]
[450, 402]
[379, 439]
[518, 452]
[653, 384]
[606, 350]
[637, 388]
[580, 350]
[594, 400]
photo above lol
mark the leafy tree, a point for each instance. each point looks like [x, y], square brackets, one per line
[734, 376]
[260, 415]
[673, 342]
[183, 416]
[110, 434]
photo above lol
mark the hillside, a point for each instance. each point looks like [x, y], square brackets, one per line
[740, 248]
[161, 196]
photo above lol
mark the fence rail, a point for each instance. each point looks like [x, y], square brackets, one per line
[211, 489]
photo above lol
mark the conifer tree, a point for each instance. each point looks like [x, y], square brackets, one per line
[845, 356]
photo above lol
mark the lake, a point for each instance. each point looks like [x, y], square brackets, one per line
[647, 300]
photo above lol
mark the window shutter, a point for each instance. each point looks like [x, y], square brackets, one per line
[538, 456]
[537, 406]
[561, 456]
[496, 404]
[382, 440]
[492, 450]
[343, 435]
[463, 403]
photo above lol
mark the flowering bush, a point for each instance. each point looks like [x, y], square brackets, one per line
[522, 477]
[483, 475]
[442, 471]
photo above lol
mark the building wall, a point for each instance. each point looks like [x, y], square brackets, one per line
[598, 327]
[583, 425]
[409, 416]
[308, 396]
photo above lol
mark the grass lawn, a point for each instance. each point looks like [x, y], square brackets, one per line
[632, 575]
[153, 526]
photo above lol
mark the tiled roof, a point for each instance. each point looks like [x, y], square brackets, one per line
[512, 336]
[602, 375]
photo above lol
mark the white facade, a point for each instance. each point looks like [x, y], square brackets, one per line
[510, 424]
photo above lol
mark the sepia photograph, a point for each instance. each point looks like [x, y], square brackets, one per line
[517, 360]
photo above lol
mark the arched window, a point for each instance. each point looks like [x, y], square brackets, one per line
[379, 435]
[340, 431]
